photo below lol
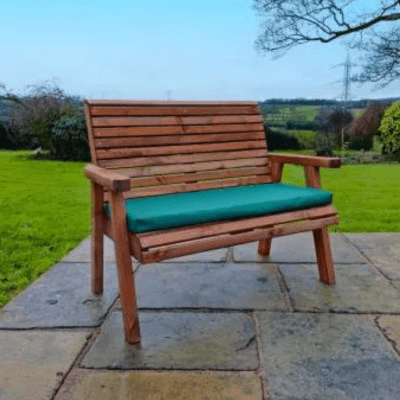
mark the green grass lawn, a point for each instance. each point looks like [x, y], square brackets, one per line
[46, 212]
[366, 196]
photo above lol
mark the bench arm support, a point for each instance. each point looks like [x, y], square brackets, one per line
[306, 161]
[311, 166]
[107, 179]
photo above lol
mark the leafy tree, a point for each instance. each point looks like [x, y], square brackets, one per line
[331, 125]
[288, 23]
[70, 139]
[390, 130]
[363, 129]
[36, 113]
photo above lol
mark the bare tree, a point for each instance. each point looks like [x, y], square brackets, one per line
[382, 63]
[288, 23]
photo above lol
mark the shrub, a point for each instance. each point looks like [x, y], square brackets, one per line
[324, 143]
[33, 116]
[302, 125]
[280, 141]
[306, 138]
[361, 142]
[362, 130]
[69, 139]
[390, 130]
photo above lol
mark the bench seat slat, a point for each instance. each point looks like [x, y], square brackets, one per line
[189, 247]
[159, 238]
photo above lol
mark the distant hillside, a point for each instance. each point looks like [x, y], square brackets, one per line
[363, 103]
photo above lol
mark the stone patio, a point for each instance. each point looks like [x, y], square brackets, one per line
[226, 324]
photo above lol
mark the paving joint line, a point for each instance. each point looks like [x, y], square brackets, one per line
[286, 291]
[369, 261]
[250, 310]
[261, 370]
[172, 369]
[390, 342]
[66, 374]
[229, 256]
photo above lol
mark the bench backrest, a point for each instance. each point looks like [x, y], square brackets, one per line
[170, 147]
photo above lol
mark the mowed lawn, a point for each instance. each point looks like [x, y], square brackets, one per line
[46, 210]
[366, 196]
[44, 214]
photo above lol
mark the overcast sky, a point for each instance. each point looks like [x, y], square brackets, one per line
[153, 49]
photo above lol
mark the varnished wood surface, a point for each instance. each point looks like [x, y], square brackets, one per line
[143, 148]
[177, 142]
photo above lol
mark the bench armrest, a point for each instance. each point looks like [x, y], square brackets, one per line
[307, 161]
[109, 180]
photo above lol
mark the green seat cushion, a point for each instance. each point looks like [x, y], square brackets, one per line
[191, 208]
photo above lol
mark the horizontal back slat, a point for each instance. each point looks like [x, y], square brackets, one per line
[179, 139]
[164, 110]
[173, 130]
[182, 158]
[181, 121]
[200, 176]
[192, 167]
[184, 149]
[170, 147]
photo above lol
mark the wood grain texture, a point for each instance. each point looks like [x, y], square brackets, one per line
[197, 177]
[124, 131]
[190, 247]
[153, 239]
[124, 267]
[176, 139]
[264, 247]
[312, 161]
[276, 172]
[313, 177]
[324, 256]
[107, 179]
[163, 147]
[176, 159]
[172, 110]
[97, 239]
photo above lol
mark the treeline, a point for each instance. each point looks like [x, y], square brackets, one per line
[363, 103]
[44, 118]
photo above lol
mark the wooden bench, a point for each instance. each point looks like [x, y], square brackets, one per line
[141, 149]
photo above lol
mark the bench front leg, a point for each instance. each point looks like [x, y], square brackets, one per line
[124, 267]
[324, 256]
[97, 241]
[264, 246]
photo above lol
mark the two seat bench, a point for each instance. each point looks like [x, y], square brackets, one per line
[176, 178]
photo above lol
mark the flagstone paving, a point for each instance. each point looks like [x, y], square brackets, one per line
[210, 285]
[383, 250]
[61, 298]
[218, 341]
[90, 385]
[225, 324]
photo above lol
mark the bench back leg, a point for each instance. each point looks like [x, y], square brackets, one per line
[264, 247]
[97, 241]
[324, 256]
[124, 268]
